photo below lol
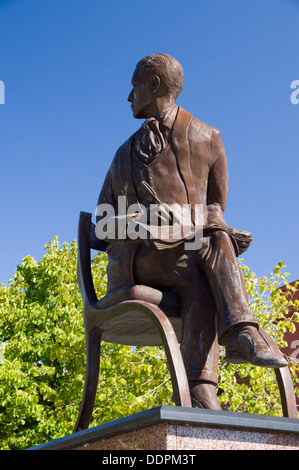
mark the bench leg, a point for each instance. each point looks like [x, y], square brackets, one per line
[285, 383]
[93, 351]
[181, 391]
[287, 394]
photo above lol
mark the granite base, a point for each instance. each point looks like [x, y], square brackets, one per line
[174, 428]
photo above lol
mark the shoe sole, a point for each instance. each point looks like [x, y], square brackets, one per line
[235, 358]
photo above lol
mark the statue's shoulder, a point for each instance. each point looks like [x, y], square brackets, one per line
[123, 151]
[197, 129]
[200, 129]
[126, 145]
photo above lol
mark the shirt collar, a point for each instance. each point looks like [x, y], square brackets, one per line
[168, 119]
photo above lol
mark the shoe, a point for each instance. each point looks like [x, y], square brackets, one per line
[203, 395]
[245, 344]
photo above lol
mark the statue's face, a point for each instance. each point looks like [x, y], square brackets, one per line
[141, 95]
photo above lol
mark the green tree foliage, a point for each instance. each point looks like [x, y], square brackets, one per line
[250, 389]
[43, 365]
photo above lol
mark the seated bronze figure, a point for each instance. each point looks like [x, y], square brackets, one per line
[174, 160]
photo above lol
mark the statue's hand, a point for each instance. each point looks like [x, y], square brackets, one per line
[243, 239]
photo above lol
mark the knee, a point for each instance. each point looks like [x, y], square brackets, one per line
[222, 241]
[221, 238]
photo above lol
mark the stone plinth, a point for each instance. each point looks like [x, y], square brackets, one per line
[171, 428]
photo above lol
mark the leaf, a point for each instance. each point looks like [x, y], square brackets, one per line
[42, 376]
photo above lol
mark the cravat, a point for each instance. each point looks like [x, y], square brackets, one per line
[149, 140]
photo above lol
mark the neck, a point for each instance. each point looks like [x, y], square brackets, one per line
[162, 106]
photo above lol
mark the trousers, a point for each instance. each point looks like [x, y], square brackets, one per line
[212, 291]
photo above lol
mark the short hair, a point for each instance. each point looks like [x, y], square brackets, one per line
[168, 68]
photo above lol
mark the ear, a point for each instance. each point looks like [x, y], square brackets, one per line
[155, 83]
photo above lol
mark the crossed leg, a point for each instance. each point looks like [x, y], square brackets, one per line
[215, 309]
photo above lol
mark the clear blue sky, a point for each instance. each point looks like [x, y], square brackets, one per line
[67, 66]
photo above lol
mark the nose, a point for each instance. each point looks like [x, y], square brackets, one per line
[130, 97]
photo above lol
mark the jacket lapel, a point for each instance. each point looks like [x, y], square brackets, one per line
[182, 152]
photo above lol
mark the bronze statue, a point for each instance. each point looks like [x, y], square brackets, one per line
[175, 160]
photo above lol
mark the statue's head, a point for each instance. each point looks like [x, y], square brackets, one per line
[156, 77]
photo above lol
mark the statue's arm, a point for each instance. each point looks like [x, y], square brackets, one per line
[111, 216]
[217, 194]
[106, 195]
[105, 212]
[217, 182]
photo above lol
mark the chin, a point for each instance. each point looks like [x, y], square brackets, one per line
[138, 115]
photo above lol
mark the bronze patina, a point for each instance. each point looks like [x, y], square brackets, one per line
[174, 161]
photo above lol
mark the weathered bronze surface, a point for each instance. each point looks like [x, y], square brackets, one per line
[175, 160]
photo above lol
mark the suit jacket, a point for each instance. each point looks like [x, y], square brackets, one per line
[202, 164]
